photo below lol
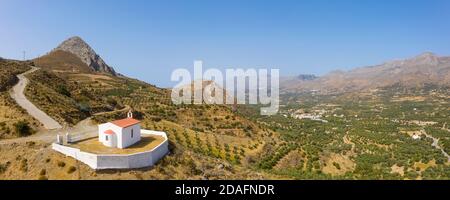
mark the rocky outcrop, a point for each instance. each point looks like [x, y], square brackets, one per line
[306, 77]
[82, 50]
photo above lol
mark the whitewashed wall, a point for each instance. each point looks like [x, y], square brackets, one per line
[125, 139]
[87, 158]
[116, 139]
[114, 161]
[101, 129]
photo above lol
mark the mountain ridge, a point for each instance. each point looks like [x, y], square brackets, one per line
[425, 68]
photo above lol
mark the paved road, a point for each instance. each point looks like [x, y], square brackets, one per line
[18, 95]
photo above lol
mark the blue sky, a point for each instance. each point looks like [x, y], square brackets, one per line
[148, 39]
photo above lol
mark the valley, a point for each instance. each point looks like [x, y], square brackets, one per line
[370, 136]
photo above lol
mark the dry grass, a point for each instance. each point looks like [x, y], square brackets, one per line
[11, 113]
[409, 98]
[397, 169]
[62, 61]
[424, 166]
[293, 160]
[337, 164]
[92, 77]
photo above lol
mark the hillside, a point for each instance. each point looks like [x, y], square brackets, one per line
[62, 61]
[206, 87]
[71, 97]
[207, 141]
[14, 121]
[424, 69]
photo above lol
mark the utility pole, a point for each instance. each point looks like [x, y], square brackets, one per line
[24, 55]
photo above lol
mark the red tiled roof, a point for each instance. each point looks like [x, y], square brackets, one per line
[125, 122]
[109, 132]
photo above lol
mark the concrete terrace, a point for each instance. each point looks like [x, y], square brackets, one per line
[92, 145]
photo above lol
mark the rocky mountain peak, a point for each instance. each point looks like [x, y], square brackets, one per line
[82, 50]
[427, 55]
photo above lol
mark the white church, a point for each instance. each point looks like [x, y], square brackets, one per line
[120, 133]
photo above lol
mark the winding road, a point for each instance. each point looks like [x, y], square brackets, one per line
[17, 93]
[53, 128]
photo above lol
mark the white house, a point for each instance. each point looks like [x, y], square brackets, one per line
[120, 133]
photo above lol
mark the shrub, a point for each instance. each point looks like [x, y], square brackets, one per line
[3, 167]
[22, 128]
[24, 165]
[111, 102]
[156, 119]
[84, 107]
[61, 164]
[30, 143]
[335, 164]
[71, 169]
[63, 90]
